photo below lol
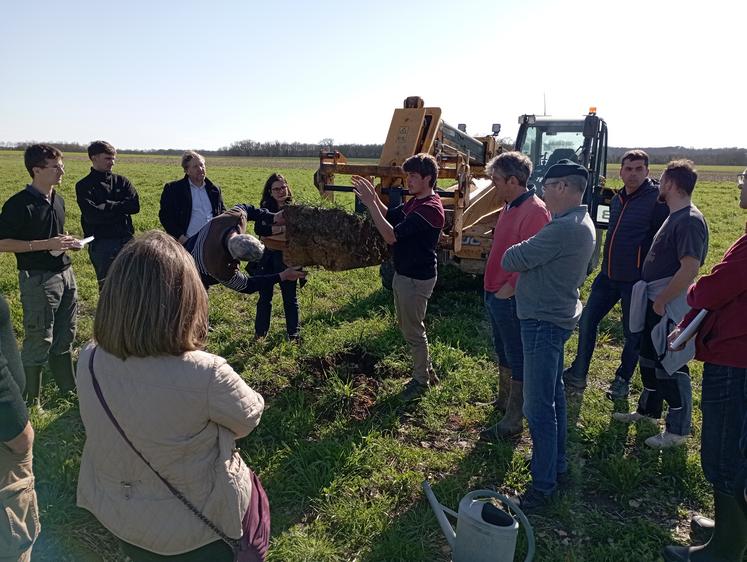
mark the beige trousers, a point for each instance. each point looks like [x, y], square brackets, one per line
[411, 302]
[19, 514]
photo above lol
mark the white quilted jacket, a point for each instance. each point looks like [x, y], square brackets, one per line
[183, 414]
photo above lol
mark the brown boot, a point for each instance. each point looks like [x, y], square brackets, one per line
[504, 386]
[512, 423]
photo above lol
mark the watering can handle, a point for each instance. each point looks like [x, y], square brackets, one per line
[515, 508]
[439, 510]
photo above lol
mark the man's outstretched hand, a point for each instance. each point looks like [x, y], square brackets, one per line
[292, 274]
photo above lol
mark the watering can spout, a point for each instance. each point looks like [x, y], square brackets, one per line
[440, 512]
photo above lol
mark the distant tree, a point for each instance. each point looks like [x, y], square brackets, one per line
[327, 143]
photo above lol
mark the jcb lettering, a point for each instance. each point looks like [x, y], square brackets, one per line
[470, 241]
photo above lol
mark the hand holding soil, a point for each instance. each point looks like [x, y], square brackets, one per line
[364, 189]
[292, 274]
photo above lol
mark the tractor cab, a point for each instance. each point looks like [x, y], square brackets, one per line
[547, 140]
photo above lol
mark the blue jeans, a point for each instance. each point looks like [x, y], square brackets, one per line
[724, 406]
[272, 262]
[544, 400]
[605, 293]
[506, 333]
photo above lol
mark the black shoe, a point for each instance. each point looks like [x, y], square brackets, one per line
[573, 384]
[412, 390]
[532, 499]
[618, 390]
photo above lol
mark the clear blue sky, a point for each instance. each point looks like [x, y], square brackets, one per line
[161, 74]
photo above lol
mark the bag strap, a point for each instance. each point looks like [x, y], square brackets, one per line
[233, 543]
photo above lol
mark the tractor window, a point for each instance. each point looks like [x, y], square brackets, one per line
[556, 146]
[547, 145]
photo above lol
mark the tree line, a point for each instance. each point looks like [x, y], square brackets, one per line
[277, 149]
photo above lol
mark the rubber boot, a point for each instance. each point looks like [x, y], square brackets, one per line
[729, 540]
[33, 385]
[62, 371]
[512, 423]
[504, 387]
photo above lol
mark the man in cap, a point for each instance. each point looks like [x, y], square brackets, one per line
[552, 266]
[220, 245]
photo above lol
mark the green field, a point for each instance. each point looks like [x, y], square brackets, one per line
[340, 456]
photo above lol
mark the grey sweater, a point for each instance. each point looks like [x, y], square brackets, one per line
[552, 266]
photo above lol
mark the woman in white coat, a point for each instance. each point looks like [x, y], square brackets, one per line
[150, 396]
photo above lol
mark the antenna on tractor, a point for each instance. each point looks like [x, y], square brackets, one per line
[544, 103]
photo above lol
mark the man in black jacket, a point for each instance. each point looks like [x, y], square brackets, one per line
[635, 217]
[190, 203]
[106, 202]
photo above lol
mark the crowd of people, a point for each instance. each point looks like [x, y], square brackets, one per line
[159, 467]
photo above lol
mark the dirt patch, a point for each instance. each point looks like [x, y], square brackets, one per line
[332, 238]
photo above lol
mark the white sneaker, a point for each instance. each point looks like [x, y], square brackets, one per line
[665, 440]
[633, 417]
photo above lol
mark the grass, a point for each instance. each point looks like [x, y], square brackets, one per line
[341, 458]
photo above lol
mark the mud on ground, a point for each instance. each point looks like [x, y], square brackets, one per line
[331, 238]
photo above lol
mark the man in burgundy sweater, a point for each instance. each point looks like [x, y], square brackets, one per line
[413, 231]
[522, 216]
[721, 345]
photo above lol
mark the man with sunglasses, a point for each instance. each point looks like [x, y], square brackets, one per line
[32, 225]
[552, 266]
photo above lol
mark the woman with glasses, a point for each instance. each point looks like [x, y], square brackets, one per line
[275, 195]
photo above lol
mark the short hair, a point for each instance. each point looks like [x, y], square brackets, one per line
[635, 154]
[245, 247]
[423, 164]
[190, 155]
[512, 163]
[100, 147]
[152, 302]
[36, 156]
[683, 174]
[576, 182]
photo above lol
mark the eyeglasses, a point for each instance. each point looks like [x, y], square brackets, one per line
[279, 189]
[551, 183]
[60, 167]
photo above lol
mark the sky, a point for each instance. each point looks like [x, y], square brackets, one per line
[187, 74]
